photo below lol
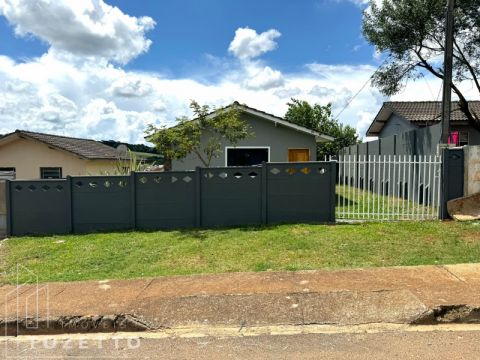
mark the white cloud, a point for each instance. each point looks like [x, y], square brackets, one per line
[247, 44]
[264, 79]
[86, 27]
[65, 92]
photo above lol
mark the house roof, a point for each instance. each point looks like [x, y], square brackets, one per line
[418, 111]
[276, 120]
[281, 121]
[84, 148]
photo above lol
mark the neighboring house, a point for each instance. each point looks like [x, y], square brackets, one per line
[274, 140]
[398, 117]
[31, 155]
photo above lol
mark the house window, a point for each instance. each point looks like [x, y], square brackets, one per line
[458, 138]
[246, 156]
[7, 173]
[50, 172]
[463, 138]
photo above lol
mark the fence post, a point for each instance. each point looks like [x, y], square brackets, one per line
[452, 178]
[68, 207]
[198, 196]
[8, 203]
[333, 180]
[133, 200]
[264, 194]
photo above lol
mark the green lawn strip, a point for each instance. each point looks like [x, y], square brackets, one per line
[283, 247]
[356, 201]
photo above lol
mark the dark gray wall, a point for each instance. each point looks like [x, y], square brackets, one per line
[422, 141]
[396, 125]
[279, 138]
[210, 197]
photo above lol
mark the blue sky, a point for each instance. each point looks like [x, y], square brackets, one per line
[107, 69]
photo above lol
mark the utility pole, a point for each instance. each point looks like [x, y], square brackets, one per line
[447, 74]
[446, 106]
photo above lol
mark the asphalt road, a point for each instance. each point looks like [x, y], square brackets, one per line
[454, 344]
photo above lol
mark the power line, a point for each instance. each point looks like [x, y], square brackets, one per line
[359, 91]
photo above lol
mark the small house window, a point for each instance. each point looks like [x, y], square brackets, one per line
[50, 172]
[463, 138]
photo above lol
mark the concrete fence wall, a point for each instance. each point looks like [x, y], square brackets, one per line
[207, 197]
[3, 209]
[472, 170]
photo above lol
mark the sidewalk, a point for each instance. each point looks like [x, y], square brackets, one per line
[341, 297]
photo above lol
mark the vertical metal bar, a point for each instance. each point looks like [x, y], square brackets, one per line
[429, 183]
[374, 185]
[357, 185]
[399, 190]
[424, 184]
[410, 182]
[368, 185]
[364, 180]
[391, 186]
[379, 184]
[383, 187]
[344, 191]
[394, 184]
[414, 183]
[349, 185]
[339, 187]
[404, 183]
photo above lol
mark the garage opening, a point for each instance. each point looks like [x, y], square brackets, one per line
[246, 156]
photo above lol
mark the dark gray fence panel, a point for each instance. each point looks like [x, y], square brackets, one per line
[363, 149]
[101, 203]
[406, 143]
[38, 207]
[165, 200]
[374, 147]
[388, 146]
[231, 196]
[300, 192]
[427, 139]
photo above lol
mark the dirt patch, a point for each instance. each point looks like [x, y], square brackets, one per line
[472, 237]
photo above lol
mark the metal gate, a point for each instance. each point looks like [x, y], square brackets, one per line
[388, 187]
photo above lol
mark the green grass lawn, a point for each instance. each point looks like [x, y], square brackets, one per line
[355, 203]
[284, 247]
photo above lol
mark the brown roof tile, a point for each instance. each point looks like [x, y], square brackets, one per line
[89, 149]
[429, 110]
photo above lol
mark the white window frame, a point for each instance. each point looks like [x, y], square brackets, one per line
[245, 147]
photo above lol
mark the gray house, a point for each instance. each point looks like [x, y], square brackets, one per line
[274, 140]
[399, 117]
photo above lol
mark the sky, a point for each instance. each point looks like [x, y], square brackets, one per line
[107, 69]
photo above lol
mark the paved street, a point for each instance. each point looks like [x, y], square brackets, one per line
[461, 343]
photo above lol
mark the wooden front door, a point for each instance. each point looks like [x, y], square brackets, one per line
[298, 155]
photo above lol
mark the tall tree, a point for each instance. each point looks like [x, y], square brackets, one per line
[412, 34]
[203, 136]
[319, 118]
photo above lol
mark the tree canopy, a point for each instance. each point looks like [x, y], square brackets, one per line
[319, 118]
[203, 136]
[412, 34]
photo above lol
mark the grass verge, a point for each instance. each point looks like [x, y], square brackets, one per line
[283, 247]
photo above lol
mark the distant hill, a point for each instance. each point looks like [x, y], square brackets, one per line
[132, 147]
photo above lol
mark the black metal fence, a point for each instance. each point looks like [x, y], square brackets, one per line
[207, 197]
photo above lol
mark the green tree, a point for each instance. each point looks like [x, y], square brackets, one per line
[203, 136]
[412, 35]
[319, 118]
